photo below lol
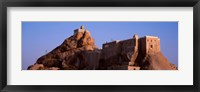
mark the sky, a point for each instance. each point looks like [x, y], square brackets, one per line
[39, 38]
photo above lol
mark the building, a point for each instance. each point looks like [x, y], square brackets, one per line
[149, 44]
[81, 29]
[121, 54]
[127, 50]
[146, 44]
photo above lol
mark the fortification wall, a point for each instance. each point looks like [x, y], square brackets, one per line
[127, 45]
[127, 50]
[110, 49]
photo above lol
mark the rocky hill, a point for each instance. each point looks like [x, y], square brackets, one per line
[70, 55]
[155, 61]
[79, 52]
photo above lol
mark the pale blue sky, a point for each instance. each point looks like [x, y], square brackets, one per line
[37, 37]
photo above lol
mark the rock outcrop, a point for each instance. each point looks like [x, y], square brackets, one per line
[155, 61]
[79, 52]
[72, 54]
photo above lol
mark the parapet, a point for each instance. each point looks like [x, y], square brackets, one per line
[155, 37]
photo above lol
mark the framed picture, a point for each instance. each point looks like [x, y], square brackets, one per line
[129, 45]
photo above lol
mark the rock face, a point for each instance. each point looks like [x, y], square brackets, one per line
[155, 61]
[78, 52]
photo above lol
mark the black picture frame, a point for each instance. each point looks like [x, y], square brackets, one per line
[99, 3]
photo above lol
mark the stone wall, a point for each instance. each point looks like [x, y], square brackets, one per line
[124, 53]
[127, 45]
[125, 48]
[110, 49]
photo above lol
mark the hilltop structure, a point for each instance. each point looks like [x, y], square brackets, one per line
[81, 29]
[127, 50]
[79, 52]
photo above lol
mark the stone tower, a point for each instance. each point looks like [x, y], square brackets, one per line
[149, 44]
[81, 29]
